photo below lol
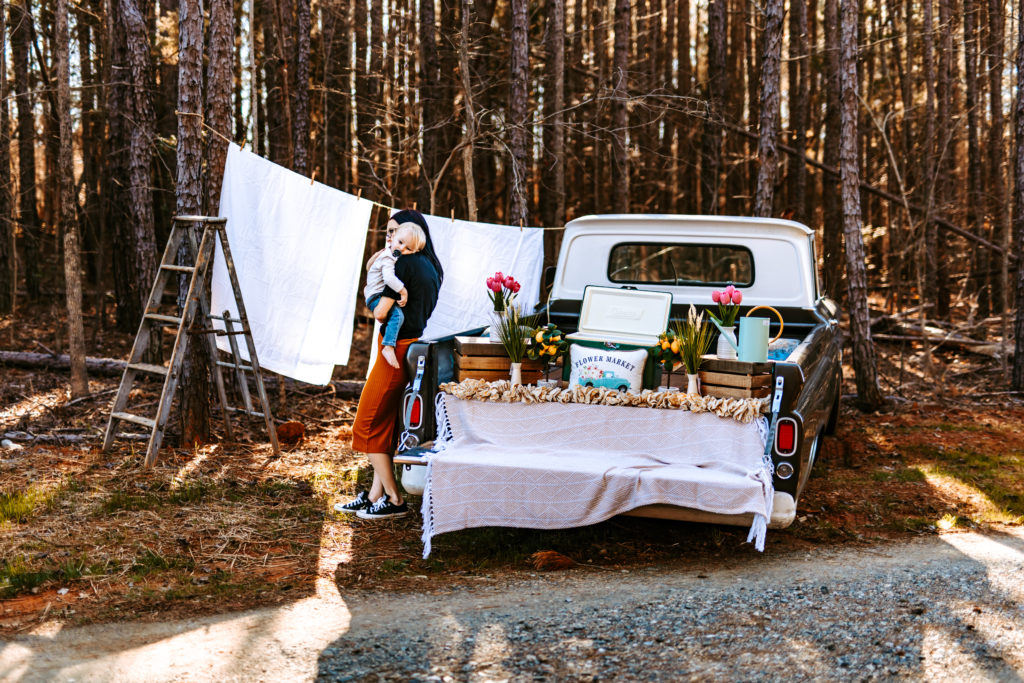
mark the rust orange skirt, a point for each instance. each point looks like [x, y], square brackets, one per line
[374, 426]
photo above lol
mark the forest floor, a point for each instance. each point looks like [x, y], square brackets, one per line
[88, 536]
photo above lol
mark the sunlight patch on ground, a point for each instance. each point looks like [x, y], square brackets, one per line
[34, 406]
[981, 507]
[994, 548]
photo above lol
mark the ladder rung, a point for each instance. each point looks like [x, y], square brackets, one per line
[149, 367]
[228, 319]
[136, 419]
[214, 330]
[178, 269]
[224, 364]
[253, 413]
[172, 319]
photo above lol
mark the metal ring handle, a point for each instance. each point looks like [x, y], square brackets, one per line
[781, 324]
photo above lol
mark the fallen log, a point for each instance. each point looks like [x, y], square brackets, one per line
[112, 367]
[107, 367]
[982, 348]
[59, 439]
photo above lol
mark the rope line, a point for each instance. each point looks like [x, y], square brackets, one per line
[358, 196]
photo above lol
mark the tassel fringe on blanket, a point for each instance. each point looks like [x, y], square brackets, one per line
[502, 391]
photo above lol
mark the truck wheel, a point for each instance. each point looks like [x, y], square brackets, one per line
[589, 384]
[624, 388]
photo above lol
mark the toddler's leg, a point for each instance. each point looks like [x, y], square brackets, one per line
[391, 326]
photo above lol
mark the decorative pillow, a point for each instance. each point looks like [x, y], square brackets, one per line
[622, 370]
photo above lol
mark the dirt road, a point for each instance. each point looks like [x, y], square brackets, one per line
[949, 607]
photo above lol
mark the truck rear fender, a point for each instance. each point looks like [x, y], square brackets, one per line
[789, 416]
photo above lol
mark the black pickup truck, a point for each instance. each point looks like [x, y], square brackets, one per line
[772, 262]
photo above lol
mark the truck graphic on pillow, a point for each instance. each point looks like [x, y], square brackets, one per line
[605, 378]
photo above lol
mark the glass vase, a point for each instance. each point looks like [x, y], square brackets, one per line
[496, 317]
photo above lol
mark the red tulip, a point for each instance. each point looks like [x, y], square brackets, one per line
[493, 285]
[515, 287]
[498, 276]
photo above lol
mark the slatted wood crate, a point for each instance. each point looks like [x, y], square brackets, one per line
[480, 358]
[734, 378]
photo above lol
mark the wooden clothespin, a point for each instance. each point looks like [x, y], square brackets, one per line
[453, 214]
[520, 225]
[359, 193]
[312, 178]
[414, 206]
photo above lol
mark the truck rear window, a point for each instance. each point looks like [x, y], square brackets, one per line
[681, 264]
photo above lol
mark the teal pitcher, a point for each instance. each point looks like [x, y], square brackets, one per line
[754, 332]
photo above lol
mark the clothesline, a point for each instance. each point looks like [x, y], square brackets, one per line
[313, 179]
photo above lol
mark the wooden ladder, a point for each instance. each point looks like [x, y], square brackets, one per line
[195, 302]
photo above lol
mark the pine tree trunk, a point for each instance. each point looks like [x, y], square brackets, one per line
[1017, 377]
[767, 151]
[518, 113]
[711, 143]
[999, 211]
[930, 285]
[799, 83]
[69, 207]
[975, 198]
[430, 86]
[219, 81]
[620, 109]
[300, 89]
[28, 215]
[553, 196]
[8, 265]
[869, 397]
[195, 379]
[832, 211]
[140, 234]
[468, 111]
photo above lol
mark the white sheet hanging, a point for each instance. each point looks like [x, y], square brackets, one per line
[297, 247]
[472, 252]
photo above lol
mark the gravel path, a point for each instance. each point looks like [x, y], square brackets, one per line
[944, 608]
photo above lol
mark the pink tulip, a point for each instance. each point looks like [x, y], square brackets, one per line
[493, 285]
[729, 290]
[726, 298]
[515, 287]
[716, 296]
[498, 276]
[508, 282]
[737, 297]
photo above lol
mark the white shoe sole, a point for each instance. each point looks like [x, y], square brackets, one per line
[363, 514]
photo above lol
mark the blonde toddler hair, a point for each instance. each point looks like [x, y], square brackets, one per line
[416, 239]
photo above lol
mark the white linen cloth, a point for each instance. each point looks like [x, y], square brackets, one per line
[556, 466]
[297, 248]
[472, 252]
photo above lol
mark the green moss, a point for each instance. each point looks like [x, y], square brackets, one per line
[120, 500]
[905, 474]
[16, 577]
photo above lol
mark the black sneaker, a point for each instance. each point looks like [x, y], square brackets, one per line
[384, 508]
[360, 502]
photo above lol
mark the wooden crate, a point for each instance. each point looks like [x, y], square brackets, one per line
[480, 358]
[734, 378]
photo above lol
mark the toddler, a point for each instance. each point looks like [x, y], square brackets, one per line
[407, 238]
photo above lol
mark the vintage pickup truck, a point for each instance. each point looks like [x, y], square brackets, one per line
[772, 262]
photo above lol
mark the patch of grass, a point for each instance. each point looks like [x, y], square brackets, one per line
[999, 476]
[151, 562]
[16, 577]
[119, 500]
[189, 492]
[905, 474]
[74, 567]
[274, 488]
[17, 506]
[393, 567]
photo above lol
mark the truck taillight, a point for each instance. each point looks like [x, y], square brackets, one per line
[785, 436]
[415, 413]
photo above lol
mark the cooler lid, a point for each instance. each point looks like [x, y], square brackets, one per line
[611, 312]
